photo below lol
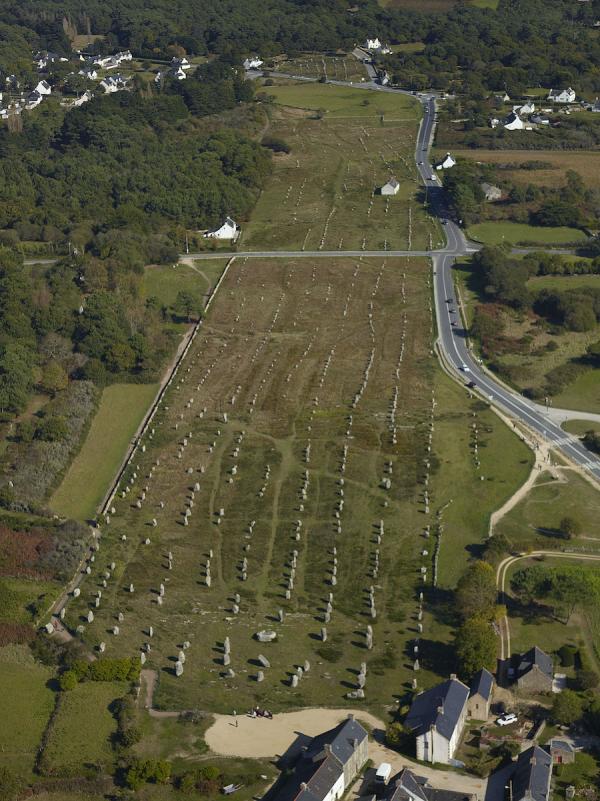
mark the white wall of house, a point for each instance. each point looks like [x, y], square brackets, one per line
[337, 791]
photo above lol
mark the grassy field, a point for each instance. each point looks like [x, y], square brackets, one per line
[121, 410]
[470, 494]
[322, 194]
[564, 282]
[583, 393]
[586, 163]
[26, 708]
[83, 726]
[18, 594]
[498, 233]
[534, 522]
[434, 6]
[165, 282]
[579, 427]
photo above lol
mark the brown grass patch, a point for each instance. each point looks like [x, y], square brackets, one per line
[586, 163]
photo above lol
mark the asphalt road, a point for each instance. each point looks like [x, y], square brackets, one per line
[452, 339]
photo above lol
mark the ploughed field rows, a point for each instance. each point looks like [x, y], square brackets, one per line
[323, 194]
[279, 496]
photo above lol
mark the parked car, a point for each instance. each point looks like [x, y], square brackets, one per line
[507, 719]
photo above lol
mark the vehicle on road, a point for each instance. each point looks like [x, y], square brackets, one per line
[507, 719]
[465, 368]
[471, 384]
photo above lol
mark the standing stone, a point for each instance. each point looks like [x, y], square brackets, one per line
[324, 634]
[260, 676]
[178, 669]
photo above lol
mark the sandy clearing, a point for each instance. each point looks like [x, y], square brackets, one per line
[258, 737]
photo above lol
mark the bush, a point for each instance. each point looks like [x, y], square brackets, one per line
[68, 680]
[276, 144]
[587, 679]
[566, 654]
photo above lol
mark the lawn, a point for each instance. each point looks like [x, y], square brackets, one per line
[122, 408]
[470, 494]
[535, 520]
[580, 427]
[498, 233]
[342, 102]
[83, 727]
[564, 282]
[17, 594]
[583, 393]
[165, 282]
[26, 707]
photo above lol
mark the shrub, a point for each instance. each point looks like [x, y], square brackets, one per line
[276, 144]
[68, 680]
[587, 679]
[566, 655]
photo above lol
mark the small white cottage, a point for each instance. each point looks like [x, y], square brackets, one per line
[391, 187]
[229, 230]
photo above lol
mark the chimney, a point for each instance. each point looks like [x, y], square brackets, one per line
[533, 761]
[303, 786]
[440, 709]
[327, 748]
[354, 743]
[350, 716]
[453, 676]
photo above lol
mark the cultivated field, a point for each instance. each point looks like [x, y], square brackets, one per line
[345, 143]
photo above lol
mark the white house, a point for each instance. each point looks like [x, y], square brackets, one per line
[179, 74]
[373, 44]
[491, 192]
[562, 95]
[391, 187]
[33, 99]
[447, 163]
[229, 230]
[514, 123]
[539, 119]
[437, 719]
[84, 98]
[180, 63]
[89, 73]
[494, 122]
[252, 63]
[525, 110]
[43, 88]
[113, 83]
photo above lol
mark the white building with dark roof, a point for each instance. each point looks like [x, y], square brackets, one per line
[437, 719]
[480, 694]
[562, 95]
[229, 230]
[391, 187]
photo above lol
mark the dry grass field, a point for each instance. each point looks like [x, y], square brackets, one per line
[323, 193]
[316, 65]
[586, 163]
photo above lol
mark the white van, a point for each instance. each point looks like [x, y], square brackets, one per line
[383, 774]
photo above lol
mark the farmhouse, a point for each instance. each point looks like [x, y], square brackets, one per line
[562, 95]
[391, 187]
[530, 780]
[480, 696]
[89, 72]
[229, 230]
[539, 119]
[491, 193]
[406, 786]
[373, 44]
[437, 718]
[535, 671]
[525, 110]
[113, 83]
[447, 163]
[33, 99]
[328, 765]
[180, 64]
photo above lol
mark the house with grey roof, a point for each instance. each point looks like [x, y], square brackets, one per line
[328, 765]
[480, 695]
[535, 671]
[561, 751]
[530, 780]
[391, 187]
[437, 718]
[407, 786]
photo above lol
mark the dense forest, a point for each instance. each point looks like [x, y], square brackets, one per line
[525, 43]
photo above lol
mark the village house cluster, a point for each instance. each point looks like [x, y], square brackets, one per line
[528, 117]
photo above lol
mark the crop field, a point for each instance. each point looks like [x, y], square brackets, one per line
[316, 65]
[122, 407]
[322, 195]
[324, 373]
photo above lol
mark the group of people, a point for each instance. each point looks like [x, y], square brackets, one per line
[257, 712]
